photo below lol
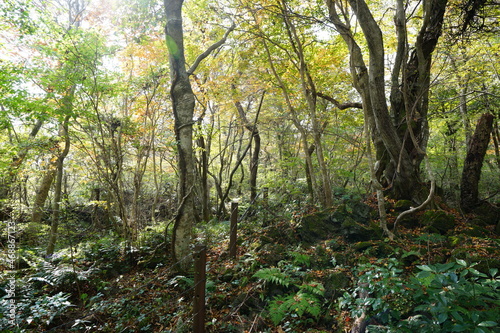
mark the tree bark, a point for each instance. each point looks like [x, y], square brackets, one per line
[469, 190]
[254, 163]
[399, 138]
[183, 102]
[58, 188]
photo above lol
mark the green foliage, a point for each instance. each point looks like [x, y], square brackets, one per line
[378, 290]
[452, 297]
[273, 275]
[455, 297]
[34, 308]
[305, 299]
[296, 305]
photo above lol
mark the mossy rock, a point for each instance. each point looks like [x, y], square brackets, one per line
[383, 250]
[479, 221]
[334, 284]
[402, 205]
[322, 258]
[334, 245]
[354, 231]
[409, 221]
[357, 210]
[315, 227]
[476, 231]
[488, 213]
[438, 221]
[271, 254]
[340, 258]
[361, 246]
[281, 233]
[377, 249]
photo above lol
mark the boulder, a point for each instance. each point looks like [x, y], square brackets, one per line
[438, 221]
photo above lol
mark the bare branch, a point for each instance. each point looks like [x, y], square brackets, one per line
[341, 106]
[212, 48]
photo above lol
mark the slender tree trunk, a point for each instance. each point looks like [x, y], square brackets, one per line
[469, 191]
[205, 190]
[309, 172]
[310, 95]
[254, 162]
[58, 188]
[496, 141]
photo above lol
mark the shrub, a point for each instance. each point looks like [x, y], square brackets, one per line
[452, 297]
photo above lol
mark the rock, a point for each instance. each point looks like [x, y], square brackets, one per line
[356, 232]
[476, 231]
[361, 246]
[488, 213]
[317, 226]
[334, 284]
[402, 205]
[438, 221]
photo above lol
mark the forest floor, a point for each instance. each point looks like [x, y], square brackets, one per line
[294, 272]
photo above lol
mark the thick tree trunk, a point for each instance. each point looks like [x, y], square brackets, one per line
[401, 138]
[183, 102]
[42, 193]
[469, 191]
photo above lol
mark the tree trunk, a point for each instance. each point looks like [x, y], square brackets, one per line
[310, 95]
[254, 163]
[58, 188]
[401, 138]
[183, 102]
[7, 181]
[42, 193]
[469, 191]
[205, 189]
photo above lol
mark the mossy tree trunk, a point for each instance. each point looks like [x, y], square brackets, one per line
[469, 190]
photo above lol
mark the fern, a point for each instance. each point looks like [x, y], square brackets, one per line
[273, 275]
[300, 304]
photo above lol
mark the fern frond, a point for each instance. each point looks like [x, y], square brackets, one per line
[273, 275]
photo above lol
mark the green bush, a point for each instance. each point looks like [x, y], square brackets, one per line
[452, 297]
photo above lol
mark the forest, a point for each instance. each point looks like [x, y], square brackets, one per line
[250, 166]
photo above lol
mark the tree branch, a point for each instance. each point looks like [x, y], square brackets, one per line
[341, 106]
[212, 47]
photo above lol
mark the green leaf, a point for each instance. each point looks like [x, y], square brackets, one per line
[442, 317]
[487, 324]
[462, 262]
[425, 268]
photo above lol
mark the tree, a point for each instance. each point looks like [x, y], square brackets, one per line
[183, 103]
[401, 132]
[469, 192]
